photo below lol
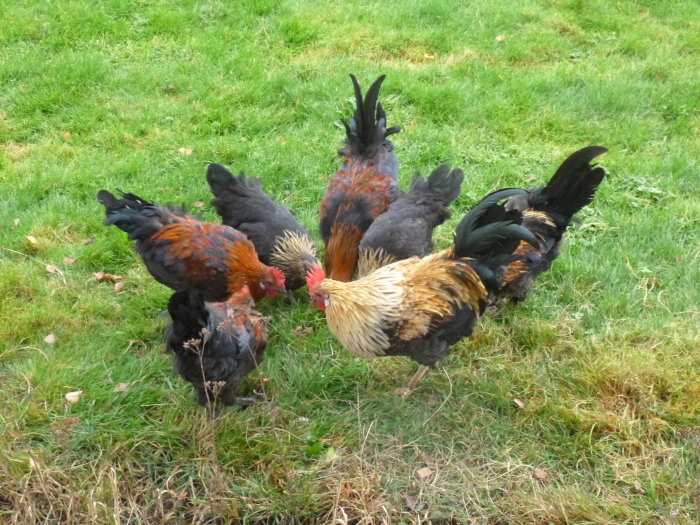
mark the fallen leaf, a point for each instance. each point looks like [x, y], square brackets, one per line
[425, 473]
[185, 151]
[412, 125]
[411, 502]
[518, 403]
[281, 139]
[118, 287]
[531, 178]
[52, 269]
[102, 276]
[89, 240]
[50, 339]
[33, 464]
[68, 260]
[642, 12]
[653, 283]
[15, 223]
[32, 239]
[67, 135]
[171, 87]
[658, 75]
[120, 387]
[500, 38]
[541, 474]
[73, 397]
[198, 204]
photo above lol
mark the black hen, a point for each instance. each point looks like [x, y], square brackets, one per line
[279, 238]
[216, 344]
[406, 228]
[547, 212]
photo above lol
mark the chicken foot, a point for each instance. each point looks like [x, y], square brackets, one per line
[413, 383]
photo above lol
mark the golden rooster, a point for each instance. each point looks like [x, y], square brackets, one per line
[419, 307]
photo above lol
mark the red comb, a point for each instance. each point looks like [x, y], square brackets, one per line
[279, 276]
[314, 276]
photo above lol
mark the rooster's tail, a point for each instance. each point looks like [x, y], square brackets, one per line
[573, 185]
[489, 234]
[137, 217]
[366, 130]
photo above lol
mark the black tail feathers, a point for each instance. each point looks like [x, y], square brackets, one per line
[367, 127]
[573, 185]
[490, 234]
[223, 183]
[135, 216]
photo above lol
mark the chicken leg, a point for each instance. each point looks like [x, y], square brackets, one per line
[413, 383]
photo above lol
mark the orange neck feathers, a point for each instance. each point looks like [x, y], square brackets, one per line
[343, 251]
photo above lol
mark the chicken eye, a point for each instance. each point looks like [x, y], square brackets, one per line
[262, 285]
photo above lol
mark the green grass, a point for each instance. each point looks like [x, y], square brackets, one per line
[604, 355]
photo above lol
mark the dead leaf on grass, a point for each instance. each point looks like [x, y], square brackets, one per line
[68, 260]
[102, 276]
[32, 240]
[411, 501]
[119, 287]
[52, 269]
[89, 240]
[541, 474]
[500, 38]
[518, 403]
[67, 135]
[425, 473]
[198, 204]
[50, 339]
[15, 223]
[185, 151]
[120, 387]
[74, 397]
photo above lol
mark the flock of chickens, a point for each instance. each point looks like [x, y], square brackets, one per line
[406, 299]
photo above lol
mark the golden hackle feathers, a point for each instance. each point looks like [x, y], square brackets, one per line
[371, 259]
[290, 252]
[360, 311]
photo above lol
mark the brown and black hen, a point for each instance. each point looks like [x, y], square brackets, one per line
[216, 345]
[185, 254]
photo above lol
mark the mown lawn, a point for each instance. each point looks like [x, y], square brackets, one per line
[603, 360]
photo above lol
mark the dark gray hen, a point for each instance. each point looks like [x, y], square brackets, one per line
[406, 228]
[279, 238]
[216, 345]
[547, 212]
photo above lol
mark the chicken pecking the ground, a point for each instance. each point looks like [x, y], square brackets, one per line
[364, 186]
[547, 212]
[419, 307]
[185, 254]
[216, 345]
[279, 238]
[406, 228]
